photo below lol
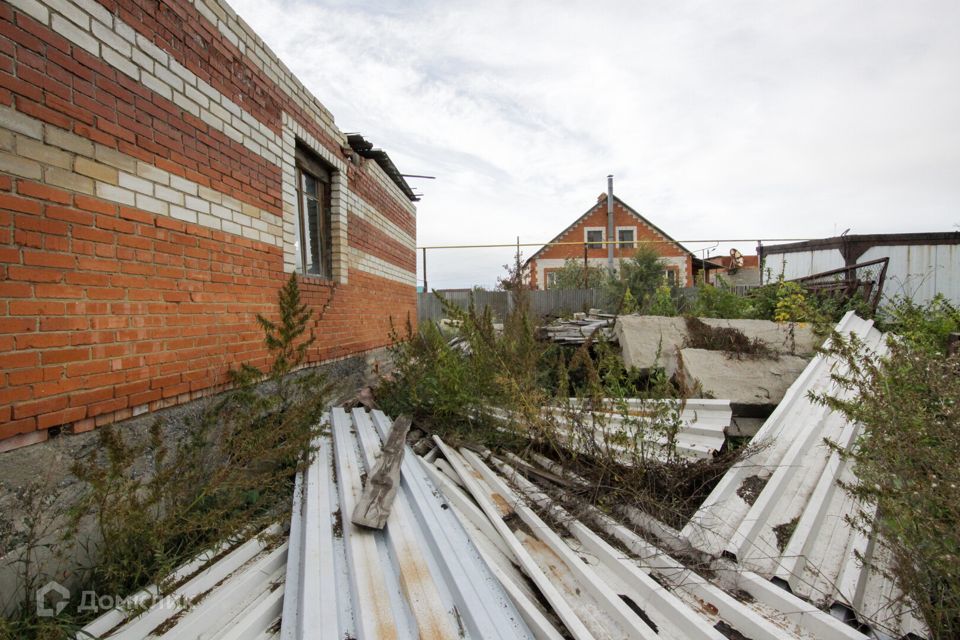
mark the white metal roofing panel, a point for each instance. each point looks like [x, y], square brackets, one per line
[237, 595]
[795, 527]
[701, 432]
[419, 577]
[681, 603]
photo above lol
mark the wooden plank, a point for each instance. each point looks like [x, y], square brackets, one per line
[373, 508]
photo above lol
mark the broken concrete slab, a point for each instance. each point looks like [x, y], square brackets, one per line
[752, 385]
[648, 342]
[795, 338]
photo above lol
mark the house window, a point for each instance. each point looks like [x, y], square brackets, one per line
[626, 237]
[551, 279]
[314, 246]
[671, 276]
[594, 238]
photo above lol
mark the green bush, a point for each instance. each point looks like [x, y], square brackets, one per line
[907, 460]
[639, 275]
[448, 385]
[575, 275]
[925, 327]
[720, 301]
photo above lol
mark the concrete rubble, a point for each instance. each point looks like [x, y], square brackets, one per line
[749, 384]
[753, 384]
[648, 342]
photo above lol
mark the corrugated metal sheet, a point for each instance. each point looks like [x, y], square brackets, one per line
[429, 306]
[554, 302]
[782, 513]
[564, 301]
[473, 549]
[701, 426]
[800, 264]
[223, 594]
[599, 579]
[915, 270]
[920, 271]
[420, 577]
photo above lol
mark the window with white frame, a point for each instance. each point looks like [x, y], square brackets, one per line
[671, 276]
[314, 236]
[627, 237]
[593, 236]
[551, 279]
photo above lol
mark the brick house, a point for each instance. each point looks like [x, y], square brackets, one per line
[631, 229]
[161, 175]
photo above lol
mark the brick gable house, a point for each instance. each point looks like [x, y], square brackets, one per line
[631, 229]
[161, 175]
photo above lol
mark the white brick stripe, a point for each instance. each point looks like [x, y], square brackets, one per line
[362, 209]
[139, 184]
[87, 24]
[375, 266]
[237, 31]
[166, 194]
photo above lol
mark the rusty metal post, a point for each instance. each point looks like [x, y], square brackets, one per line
[586, 267]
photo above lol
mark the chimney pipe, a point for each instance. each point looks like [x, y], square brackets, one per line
[610, 238]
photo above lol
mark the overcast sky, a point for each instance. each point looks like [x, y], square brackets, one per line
[718, 119]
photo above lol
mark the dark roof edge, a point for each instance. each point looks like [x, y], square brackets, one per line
[365, 149]
[875, 240]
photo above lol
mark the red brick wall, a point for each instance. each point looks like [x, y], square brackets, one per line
[107, 308]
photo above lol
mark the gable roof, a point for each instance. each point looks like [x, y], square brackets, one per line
[628, 208]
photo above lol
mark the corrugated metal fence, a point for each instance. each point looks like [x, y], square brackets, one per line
[542, 303]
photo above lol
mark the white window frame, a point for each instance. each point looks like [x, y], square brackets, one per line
[634, 230]
[592, 244]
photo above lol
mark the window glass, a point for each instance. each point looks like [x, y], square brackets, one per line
[625, 239]
[551, 279]
[314, 247]
[594, 238]
[671, 276]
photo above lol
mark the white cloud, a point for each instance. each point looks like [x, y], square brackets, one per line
[732, 119]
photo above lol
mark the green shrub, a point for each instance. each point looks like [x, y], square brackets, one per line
[720, 301]
[662, 302]
[925, 327]
[640, 275]
[574, 275]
